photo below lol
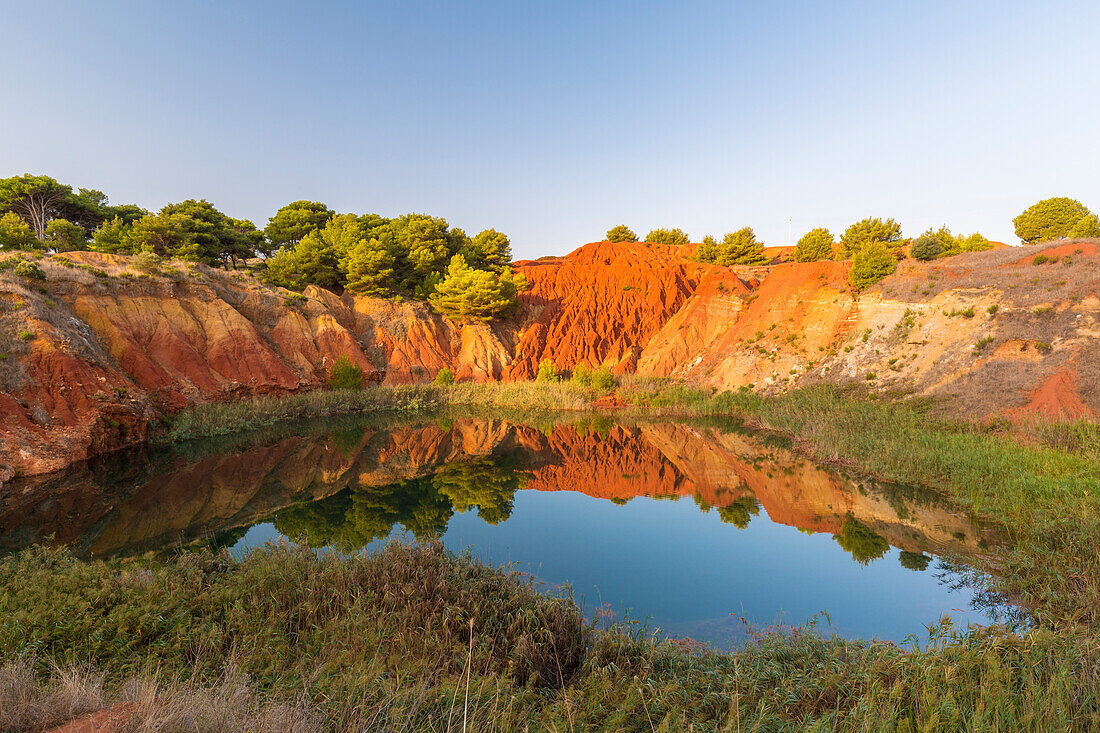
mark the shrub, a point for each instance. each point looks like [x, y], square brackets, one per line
[345, 374]
[707, 251]
[926, 248]
[582, 374]
[992, 310]
[603, 380]
[816, 244]
[1040, 260]
[861, 541]
[445, 376]
[65, 236]
[621, 234]
[26, 335]
[741, 248]
[476, 295]
[870, 264]
[547, 372]
[1053, 218]
[29, 270]
[147, 261]
[15, 233]
[667, 236]
[868, 231]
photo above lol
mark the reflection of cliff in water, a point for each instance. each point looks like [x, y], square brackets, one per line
[348, 483]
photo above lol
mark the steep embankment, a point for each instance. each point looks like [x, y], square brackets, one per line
[94, 354]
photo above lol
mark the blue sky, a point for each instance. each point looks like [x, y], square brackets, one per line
[555, 121]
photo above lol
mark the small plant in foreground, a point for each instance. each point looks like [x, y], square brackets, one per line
[345, 374]
[582, 374]
[603, 380]
[26, 335]
[29, 270]
[444, 376]
[547, 372]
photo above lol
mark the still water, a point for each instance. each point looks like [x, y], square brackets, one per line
[697, 528]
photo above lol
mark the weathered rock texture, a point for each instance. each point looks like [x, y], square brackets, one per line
[88, 363]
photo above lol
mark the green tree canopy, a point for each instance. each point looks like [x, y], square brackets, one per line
[955, 244]
[667, 236]
[621, 233]
[293, 222]
[489, 250]
[1053, 218]
[476, 295]
[707, 251]
[866, 231]
[870, 264]
[320, 258]
[38, 199]
[816, 244]
[741, 248]
[15, 233]
[926, 247]
[1088, 227]
[63, 235]
[369, 265]
[207, 235]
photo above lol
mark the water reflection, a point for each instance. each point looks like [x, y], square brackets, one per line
[347, 484]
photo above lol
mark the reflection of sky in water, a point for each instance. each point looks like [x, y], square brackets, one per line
[690, 574]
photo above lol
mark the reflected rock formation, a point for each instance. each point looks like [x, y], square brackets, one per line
[349, 482]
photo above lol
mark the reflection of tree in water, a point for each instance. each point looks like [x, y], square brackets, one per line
[488, 483]
[355, 517]
[738, 513]
[914, 560]
[861, 541]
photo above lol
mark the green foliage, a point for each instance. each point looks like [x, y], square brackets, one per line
[1040, 260]
[64, 236]
[444, 376]
[293, 222]
[868, 231]
[29, 270]
[15, 233]
[667, 236]
[956, 244]
[603, 380]
[1049, 219]
[345, 374]
[740, 511]
[870, 264]
[862, 542]
[816, 244]
[707, 251]
[914, 560]
[741, 248]
[369, 265]
[582, 374]
[112, 236]
[476, 295]
[147, 262]
[489, 250]
[1088, 227]
[207, 235]
[26, 335]
[547, 371]
[926, 248]
[621, 233]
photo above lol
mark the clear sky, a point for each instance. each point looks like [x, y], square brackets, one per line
[554, 121]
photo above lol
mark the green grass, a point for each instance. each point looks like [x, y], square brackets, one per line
[327, 636]
[224, 418]
[418, 639]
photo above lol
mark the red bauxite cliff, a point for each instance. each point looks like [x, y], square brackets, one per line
[88, 360]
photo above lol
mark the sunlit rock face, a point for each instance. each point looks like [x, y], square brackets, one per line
[352, 481]
[105, 357]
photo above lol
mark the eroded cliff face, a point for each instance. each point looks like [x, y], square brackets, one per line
[97, 352]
